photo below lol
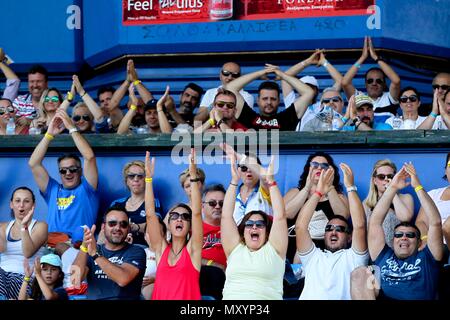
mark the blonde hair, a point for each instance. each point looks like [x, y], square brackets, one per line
[185, 174]
[372, 197]
[127, 166]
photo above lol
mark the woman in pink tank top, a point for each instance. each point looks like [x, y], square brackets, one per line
[178, 260]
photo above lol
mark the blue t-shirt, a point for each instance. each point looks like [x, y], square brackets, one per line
[62, 294]
[100, 287]
[70, 209]
[413, 278]
[376, 126]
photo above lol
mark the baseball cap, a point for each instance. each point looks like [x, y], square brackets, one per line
[150, 104]
[52, 259]
[310, 80]
[363, 99]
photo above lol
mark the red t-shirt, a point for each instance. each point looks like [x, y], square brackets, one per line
[212, 245]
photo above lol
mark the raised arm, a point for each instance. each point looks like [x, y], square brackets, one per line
[162, 118]
[376, 236]
[394, 88]
[47, 292]
[445, 115]
[347, 84]
[303, 237]
[428, 123]
[90, 103]
[12, 82]
[124, 126]
[68, 99]
[79, 269]
[334, 73]
[90, 170]
[28, 272]
[230, 236]
[359, 240]
[338, 202]
[31, 243]
[145, 94]
[403, 206]
[295, 199]
[434, 241]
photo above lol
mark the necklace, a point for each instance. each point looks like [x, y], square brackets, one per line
[133, 204]
[176, 254]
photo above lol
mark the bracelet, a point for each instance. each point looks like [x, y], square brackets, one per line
[320, 194]
[26, 279]
[325, 64]
[357, 65]
[133, 107]
[148, 179]
[72, 130]
[272, 184]
[425, 237]
[195, 180]
[84, 248]
[434, 115]
[211, 122]
[418, 188]
[69, 96]
[49, 136]
[233, 184]
[81, 96]
[136, 82]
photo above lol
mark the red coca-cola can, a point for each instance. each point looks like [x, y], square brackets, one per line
[220, 9]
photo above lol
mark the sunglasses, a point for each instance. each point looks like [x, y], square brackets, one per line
[84, 116]
[410, 234]
[334, 99]
[378, 81]
[243, 168]
[52, 99]
[443, 87]
[260, 224]
[213, 203]
[405, 99]
[175, 216]
[335, 227]
[323, 166]
[221, 104]
[70, 169]
[232, 74]
[381, 176]
[123, 224]
[132, 176]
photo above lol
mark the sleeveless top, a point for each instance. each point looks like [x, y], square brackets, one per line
[178, 282]
[12, 259]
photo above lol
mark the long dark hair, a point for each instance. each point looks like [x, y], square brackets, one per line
[36, 291]
[304, 175]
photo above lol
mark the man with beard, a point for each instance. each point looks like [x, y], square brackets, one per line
[189, 100]
[327, 273]
[113, 270]
[362, 119]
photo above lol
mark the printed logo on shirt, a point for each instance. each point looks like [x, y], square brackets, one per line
[142, 214]
[212, 240]
[135, 263]
[64, 203]
[267, 124]
[394, 272]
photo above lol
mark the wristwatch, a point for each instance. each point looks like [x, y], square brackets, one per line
[352, 188]
[96, 255]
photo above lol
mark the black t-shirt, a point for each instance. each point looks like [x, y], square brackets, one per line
[285, 120]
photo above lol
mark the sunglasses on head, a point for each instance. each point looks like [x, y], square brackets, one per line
[444, 87]
[221, 104]
[260, 224]
[243, 168]
[52, 99]
[335, 227]
[323, 165]
[226, 73]
[381, 176]
[213, 203]
[70, 169]
[175, 216]
[131, 176]
[410, 234]
[123, 224]
[378, 81]
[334, 99]
[405, 99]
[84, 116]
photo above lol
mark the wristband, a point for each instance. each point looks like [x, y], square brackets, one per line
[211, 122]
[434, 115]
[351, 189]
[26, 279]
[448, 164]
[69, 96]
[418, 188]
[84, 249]
[133, 107]
[148, 179]
[233, 184]
[136, 82]
[320, 194]
[83, 94]
[425, 237]
[72, 130]
[325, 64]
[357, 65]
[49, 136]
[272, 184]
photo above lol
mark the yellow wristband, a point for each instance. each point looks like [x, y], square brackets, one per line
[133, 107]
[448, 164]
[211, 122]
[84, 249]
[425, 237]
[49, 136]
[69, 96]
[136, 82]
[148, 179]
[26, 279]
[418, 188]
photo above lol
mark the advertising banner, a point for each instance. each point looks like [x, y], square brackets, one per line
[142, 12]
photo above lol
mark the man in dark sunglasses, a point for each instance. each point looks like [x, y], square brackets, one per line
[409, 270]
[229, 72]
[385, 102]
[75, 201]
[114, 269]
[212, 273]
[441, 84]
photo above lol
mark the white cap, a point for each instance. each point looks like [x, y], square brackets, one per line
[310, 80]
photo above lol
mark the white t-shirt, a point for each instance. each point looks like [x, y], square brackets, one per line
[439, 124]
[210, 94]
[327, 274]
[417, 123]
[255, 202]
[442, 205]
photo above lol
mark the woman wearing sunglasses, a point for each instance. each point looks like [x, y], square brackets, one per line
[401, 208]
[256, 248]
[50, 101]
[409, 103]
[179, 259]
[332, 203]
